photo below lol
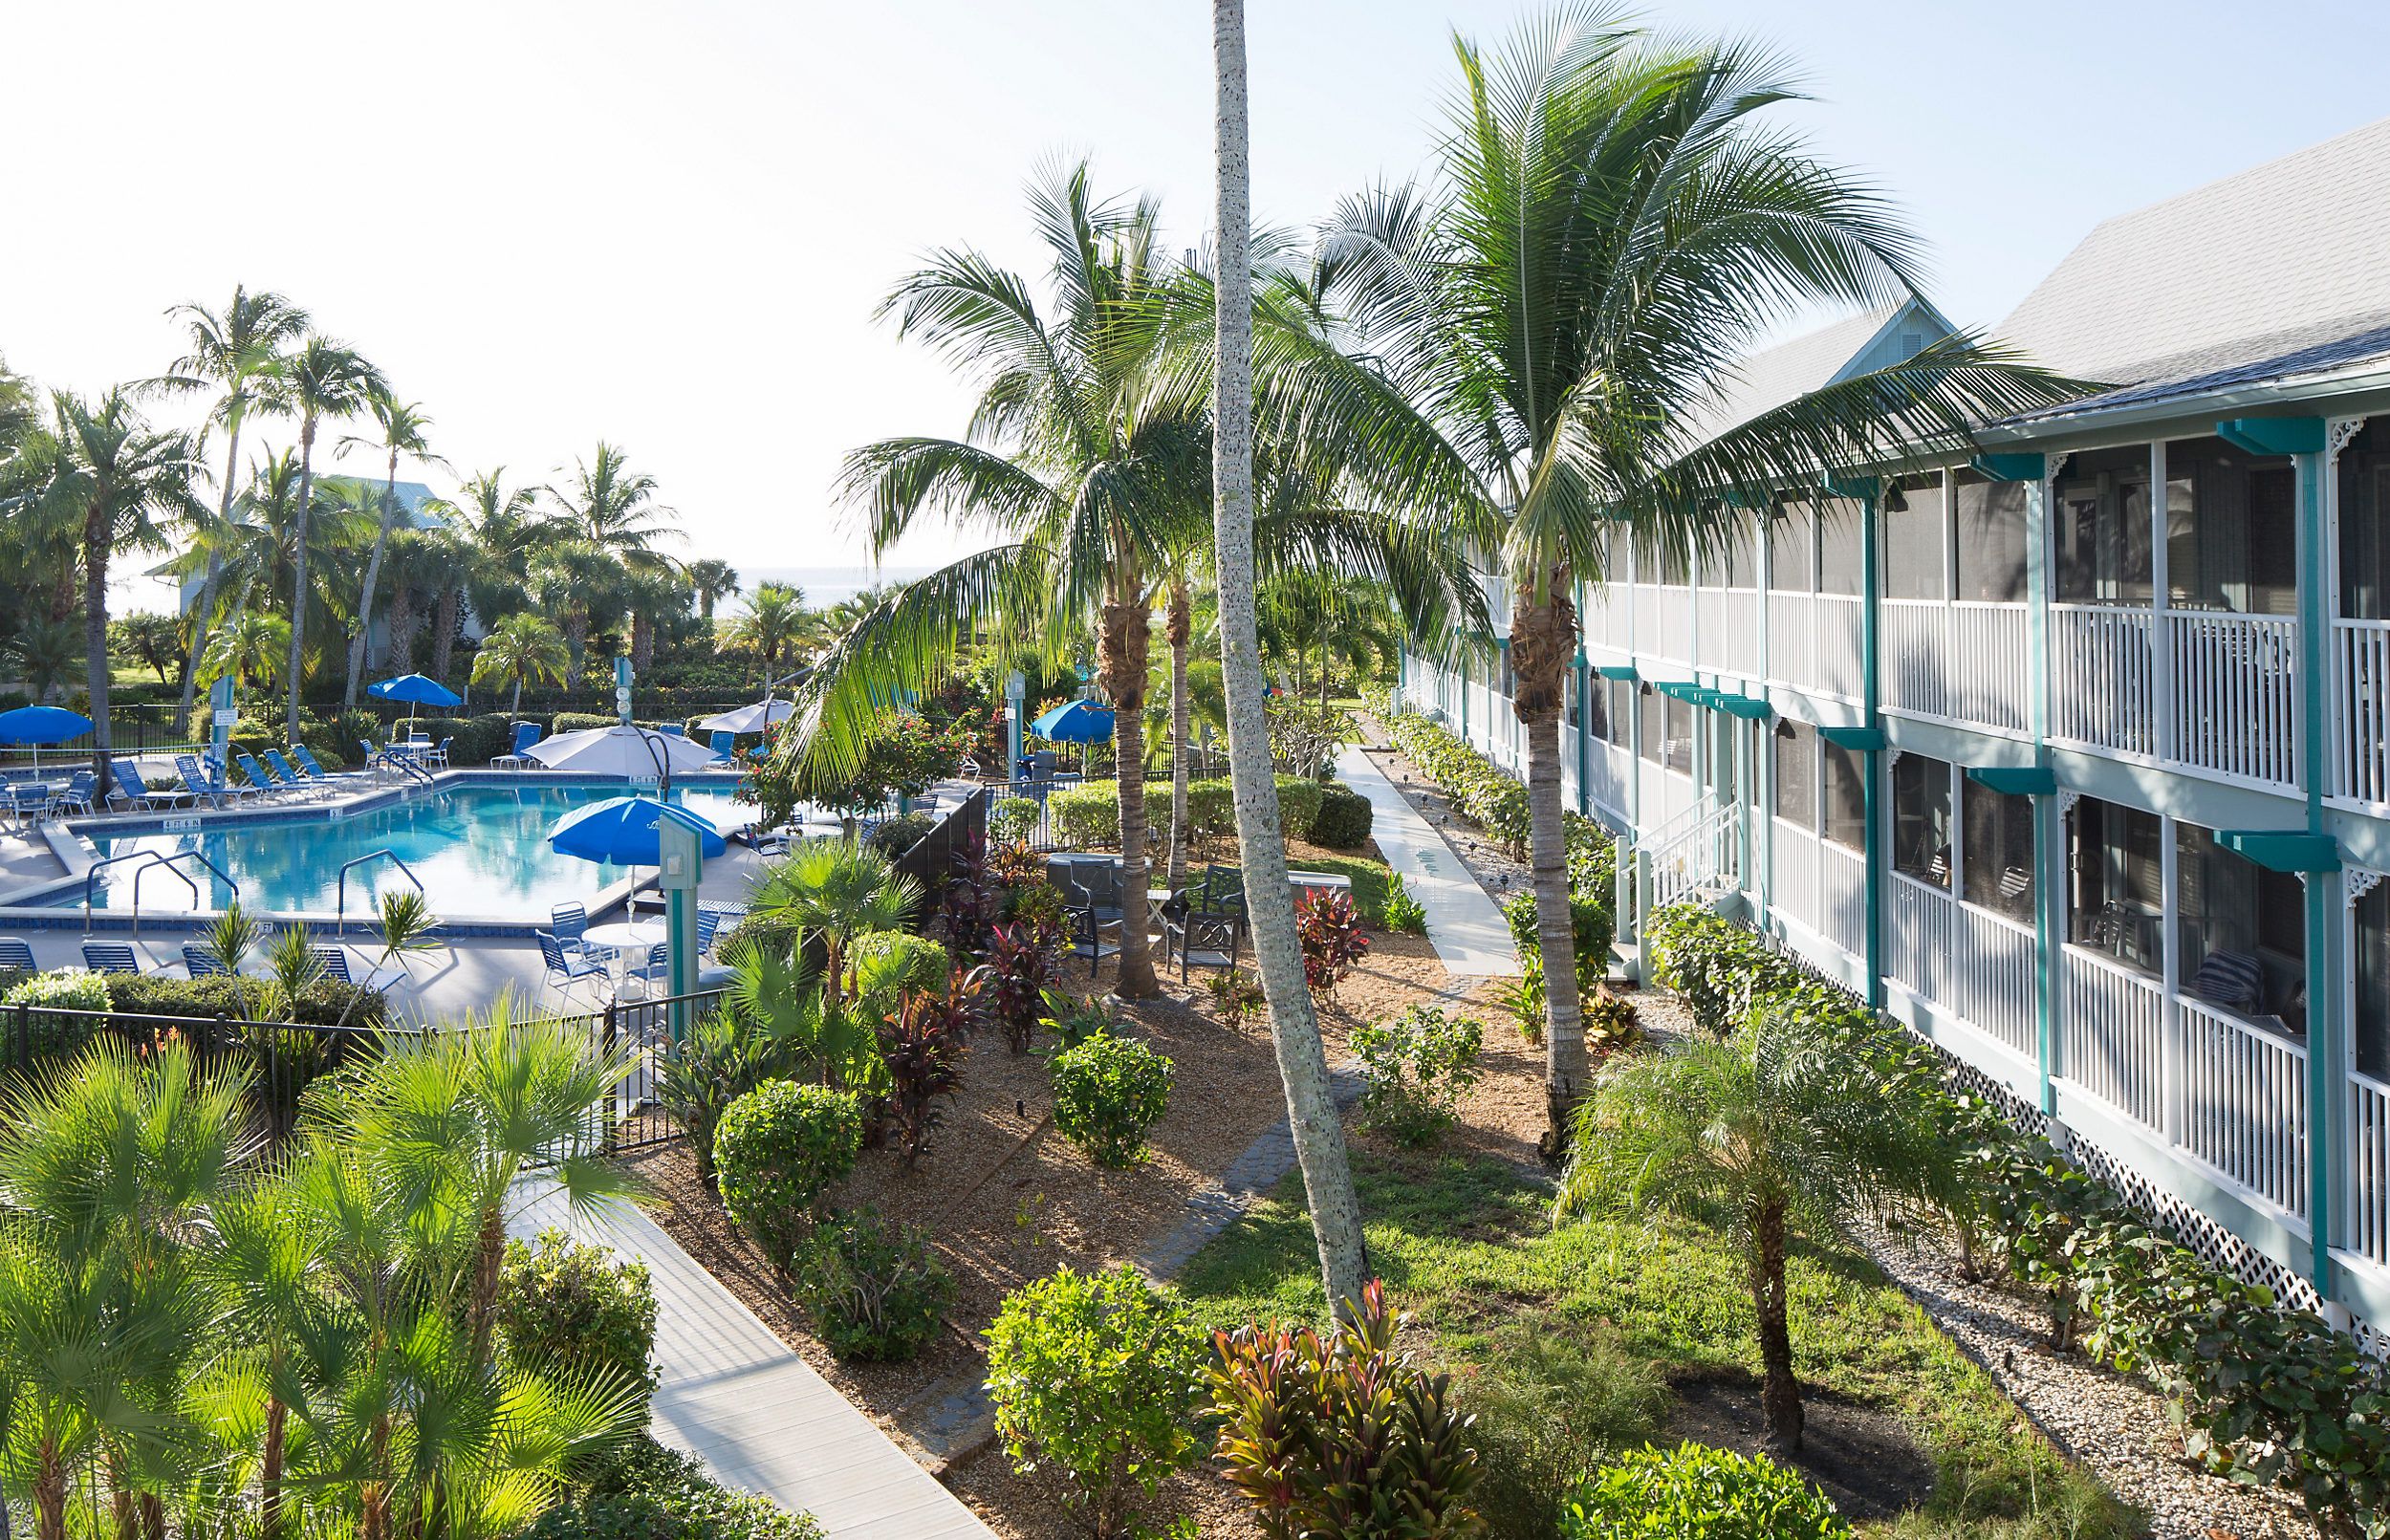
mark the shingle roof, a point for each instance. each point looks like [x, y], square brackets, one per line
[1772, 376]
[2280, 269]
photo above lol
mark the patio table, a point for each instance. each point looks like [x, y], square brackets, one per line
[621, 936]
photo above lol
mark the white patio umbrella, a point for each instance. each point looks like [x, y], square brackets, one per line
[749, 718]
[632, 754]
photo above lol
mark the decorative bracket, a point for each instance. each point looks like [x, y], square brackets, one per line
[2068, 796]
[2355, 882]
[2337, 432]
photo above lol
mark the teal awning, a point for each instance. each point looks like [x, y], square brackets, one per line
[1624, 671]
[2282, 850]
[1749, 708]
[2274, 435]
[1866, 739]
[2015, 780]
[1684, 689]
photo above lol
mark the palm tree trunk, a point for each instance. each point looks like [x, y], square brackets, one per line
[1126, 653]
[1779, 1392]
[49, 1488]
[298, 571]
[1178, 626]
[269, 1471]
[1543, 636]
[207, 585]
[373, 575]
[517, 709]
[96, 533]
[1302, 1060]
[482, 1312]
[444, 631]
[399, 621]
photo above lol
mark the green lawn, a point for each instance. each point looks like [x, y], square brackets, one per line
[1467, 1246]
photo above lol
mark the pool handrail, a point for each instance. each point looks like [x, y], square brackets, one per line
[148, 858]
[342, 915]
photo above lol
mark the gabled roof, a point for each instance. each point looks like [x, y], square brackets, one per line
[2284, 268]
[1773, 376]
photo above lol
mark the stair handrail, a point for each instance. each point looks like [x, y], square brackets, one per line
[1714, 846]
[148, 858]
[342, 915]
[1702, 808]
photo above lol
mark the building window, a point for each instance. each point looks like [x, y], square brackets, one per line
[1842, 775]
[2104, 528]
[2372, 1025]
[1920, 819]
[1621, 710]
[1506, 681]
[2366, 525]
[1796, 774]
[1913, 521]
[2115, 904]
[1655, 726]
[1678, 717]
[1842, 547]
[2232, 530]
[1793, 549]
[1999, 851]
[1991, 519]
[1579, 702]
[2244, 932]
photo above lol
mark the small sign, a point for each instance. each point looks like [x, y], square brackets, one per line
[176, 826]
[1016, 687]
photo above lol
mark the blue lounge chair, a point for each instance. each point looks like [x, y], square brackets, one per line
[335, 961]
[708, 927]
[726, 745]
[674, 730]
[110, 956]
[315, 774]
[526, 734]
[261, 777]
[199, 783]
[565, 969]
[130, 789]
[290, 779]
[199, 965]
[16, 956]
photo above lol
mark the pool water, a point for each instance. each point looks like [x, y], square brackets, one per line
[480, 851]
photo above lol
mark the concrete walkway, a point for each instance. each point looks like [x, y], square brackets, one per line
[760, 1417]
[1462, 925]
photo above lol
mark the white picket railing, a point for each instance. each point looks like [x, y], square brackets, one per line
[1991, 664]
[1996, 986]
[2367, 1229]
[1729, 638]
[1705, 854]
[2245, 1103]
[1612, 770]
[1842, 884]
[1793, 889]
[1814, 642]
[2235, 694]
[2102, 689]
[1664, 623]
[1606, 617]
[2112, 1035]
[2360, 700]
[1917, 657]
[1917, 924]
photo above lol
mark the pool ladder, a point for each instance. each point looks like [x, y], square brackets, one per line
[372, 856]
[150, 860]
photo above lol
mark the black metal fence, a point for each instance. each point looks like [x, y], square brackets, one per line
[647, 1033]
[144, 728]
[931, 860]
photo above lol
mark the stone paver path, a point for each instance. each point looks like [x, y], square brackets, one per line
[1462, 925]
[759, 1415]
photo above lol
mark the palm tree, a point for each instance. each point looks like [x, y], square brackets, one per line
[773, 623]
[521, 647]
[249, 649]
[614, 510]
[121, 479]
[152, 638]
[1778, 1131]
[840, 889]
[230, 349]
[404, 427]
[651, 599]
[43, 653]
[576, 580]
[714, 580]
[1615, 221]
[322, 379]
[501, 527]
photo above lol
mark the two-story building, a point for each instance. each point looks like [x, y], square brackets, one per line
[2076, 756]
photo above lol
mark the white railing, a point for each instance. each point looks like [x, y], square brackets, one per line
[1612, 768]
[2102, 689]
[1918, 923]
[2245, 1103]
[1707, 854]
[1606, 615]
[2235, 694]
[1664, 623]
[1814, 642]
[2112, 1037]
[2367, 1230]
[1793, 889]
[1996, 984]
[1729, 638]
[1842, 885]
[2360, 710]
[1917, 657]
[1990, 663]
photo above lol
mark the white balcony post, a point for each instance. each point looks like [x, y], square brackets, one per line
[2048, 814]
[2171, 1014]
[2162, 630]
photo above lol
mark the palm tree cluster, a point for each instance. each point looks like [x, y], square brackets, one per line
[198, 1339]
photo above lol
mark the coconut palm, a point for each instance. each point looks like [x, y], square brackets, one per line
[229, 353]
[575, 581]
[614, 510]
[122, 480]
[152, 638]
[1312, 1116]
[249, 649]
[714, 581]
[772, 625]
[1616, 220]
[521, 649]
[500, 526]
[319, 380]
[402, 428]
[1777, 1131]
[652, 598]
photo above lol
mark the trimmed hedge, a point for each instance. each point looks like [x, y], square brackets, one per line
[653, 1494]
[1087, 816]
[1491, 799]
[2267, 1394]
[1343, 819]
[158, 994]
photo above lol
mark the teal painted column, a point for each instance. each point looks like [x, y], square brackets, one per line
[2327, 1019]
[1870, 585]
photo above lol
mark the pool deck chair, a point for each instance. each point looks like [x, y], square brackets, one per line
[77, 794]
[111, 957]
[725, 746]
[290, 779]
[199, 965]
[195, 780]
[130, 789]
[262, 778]
[526, 734]
[569, 923]
[317, 774]
[16, 956]
[565, 969]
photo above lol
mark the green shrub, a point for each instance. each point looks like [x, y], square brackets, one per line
[872, 1287]
[757, 930]
[1108, 1093]
[1402, 912]
[319, 1004]
[1694, 1493]
[1489, 796]
[779, 1148]
[582, 721]
[895, 835]
[1552, 1407]
[1095, 1377]
[1342, 821]
[648, 1493]
[481, 739]
[1012, 819]
[1086, 816]
[1299, 802]
[1591, 930]
[72, 989]
[1415, 1067]
[883, 963]
[1211, 808]
[570, 1309]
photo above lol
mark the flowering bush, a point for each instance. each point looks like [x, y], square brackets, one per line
[1330, 929]
[72, 988]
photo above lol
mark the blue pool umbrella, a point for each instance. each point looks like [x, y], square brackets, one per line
[38, 724]
[622, 830]
[415, 690]
[1074, 722]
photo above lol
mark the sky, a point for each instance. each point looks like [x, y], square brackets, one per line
[667, 226]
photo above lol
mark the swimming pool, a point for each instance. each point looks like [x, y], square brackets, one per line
[480, 851]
